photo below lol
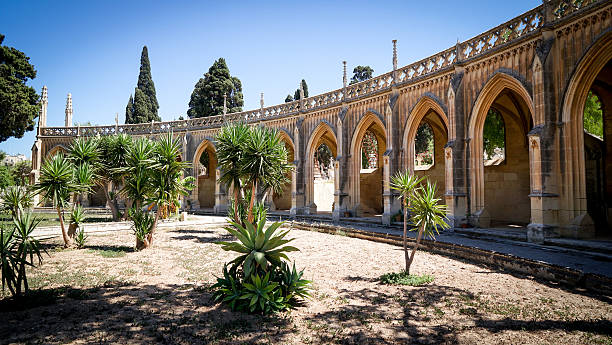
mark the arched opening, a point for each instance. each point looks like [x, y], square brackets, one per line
[428, 147]
[584, 160]
[55, 150]
[597, 123]
[282, 202]
[205, 169]
[369, 145]
[499, 155]
[320, 182]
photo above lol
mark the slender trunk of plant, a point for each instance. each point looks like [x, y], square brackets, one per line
[67, 239]
[236, 202]
[405, 234]
[110, 202]
[128, 206]
[252, 203]
[414, 249]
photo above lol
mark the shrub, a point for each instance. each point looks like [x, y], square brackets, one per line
[142, 222]
[259, 280]
[15, 198]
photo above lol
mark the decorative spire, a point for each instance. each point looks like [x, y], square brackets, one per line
[224, 103]
[261, 101]
[301, 91]
[45, 97]
[44, 101]
[116, 123]
[394, 55]
[68, 122]
[344, 74]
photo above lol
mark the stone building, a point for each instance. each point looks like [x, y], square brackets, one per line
[535, 71]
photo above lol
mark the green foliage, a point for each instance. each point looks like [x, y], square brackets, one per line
[424, 140]
[493, 133]
[403, 278]
[324, 156]
[427, 211]
[81, 238]
[18, 102]
[57, 180]
[288, 99]
[361, 73]
[77, 215]
[142, 222]
[6, 176]
[18, 249]
[207, 96]
[296, 94]
[593, 116]
[15, 199]
[369, 147]
[143, 107]
[20, 172]
[258, 280]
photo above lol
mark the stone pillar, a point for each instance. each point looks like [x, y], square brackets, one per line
[298, 186]
[341, 196]
[391, 156]
[294, 204]
[68, 119]
[220, 196]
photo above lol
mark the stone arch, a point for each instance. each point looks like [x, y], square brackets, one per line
[284, 201]
[572, 159]
[55, 150]
[374, 203]
[423, 107]
[322, 134]
[206, 185]
[493, 89]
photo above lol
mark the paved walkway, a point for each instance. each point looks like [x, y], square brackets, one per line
[586, 256]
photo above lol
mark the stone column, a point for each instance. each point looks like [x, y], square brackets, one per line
[341, 206]
[220, 195]
[298, 175]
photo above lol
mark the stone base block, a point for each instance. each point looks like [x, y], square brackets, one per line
[537, 233]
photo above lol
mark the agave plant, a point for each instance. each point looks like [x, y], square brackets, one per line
[228, 289]
[259, 248]
[263, 294]
[16, 198]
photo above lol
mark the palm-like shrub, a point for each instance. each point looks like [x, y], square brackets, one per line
[230, 141]
[18, 249]
[406, 185]
[258, 280]
[15, 199]
[113, 161]
[57, 182]
[77, 216]
[137, 171]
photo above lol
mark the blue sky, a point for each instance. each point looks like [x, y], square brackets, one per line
[92, 49]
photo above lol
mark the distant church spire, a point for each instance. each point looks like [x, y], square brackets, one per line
[69, 111]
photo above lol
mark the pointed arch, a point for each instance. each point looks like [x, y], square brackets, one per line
[425, 105]
[322, 133]
[283, 201]
[572, 164]
[55, 150]
[206, 185]
[486, 97]
[369, 122]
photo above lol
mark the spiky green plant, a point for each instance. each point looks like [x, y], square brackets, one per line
[16, 198]
[28, 249]
[259, 248]
[114, 151]
[8, 259]
[230, 141]
[57, 182]
[406, 184]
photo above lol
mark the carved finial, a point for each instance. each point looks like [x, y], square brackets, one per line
[344, 73]
[301, 91]
[261, 101]
[68, 120]
[224, 103]
[45, 97]
[394, 55]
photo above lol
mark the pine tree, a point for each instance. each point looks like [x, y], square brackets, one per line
[207, 95]
[361, 73]
[129, 109]
[144, 106]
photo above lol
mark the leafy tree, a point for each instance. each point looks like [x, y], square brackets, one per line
[296, 95]
[21, 171]
[2, 155]
[143, 107]
[288, 99]
[493, 133]
[15, 199]
[207, 96]
[6, 176]
[18, 102]
[324, 157]
[361, 73]
[593, 116]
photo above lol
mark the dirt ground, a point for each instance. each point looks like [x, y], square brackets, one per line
[108, 293]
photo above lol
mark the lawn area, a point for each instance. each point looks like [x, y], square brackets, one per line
[108, 293]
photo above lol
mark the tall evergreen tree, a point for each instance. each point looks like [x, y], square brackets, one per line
[144, 106]
[207, 96]
[288, 99]
[18, 102]
[129, 109]
[296, 95]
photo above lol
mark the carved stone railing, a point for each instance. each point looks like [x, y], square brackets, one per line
[512, 31]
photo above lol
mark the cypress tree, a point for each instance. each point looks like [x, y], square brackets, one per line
[129, 110]
[296, 95]
[144, 106]
[288, 99]
[207, 96]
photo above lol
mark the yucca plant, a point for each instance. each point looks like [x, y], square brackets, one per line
[428, 215]
[28, 249]
[142, 223]
[259, 248]
[77, 216]
[16, 198]
[230, 141]
[8, 259]
[57, 182]
[114, 151]
[406, 184]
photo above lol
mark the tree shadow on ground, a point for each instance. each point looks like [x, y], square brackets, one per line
[127, 249]
[134, 314]
[201, 236]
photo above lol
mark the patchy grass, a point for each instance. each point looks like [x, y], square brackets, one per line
[108, 253]
[402, 278]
